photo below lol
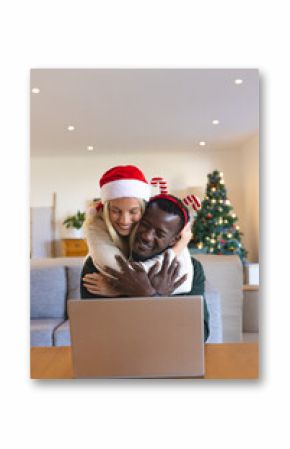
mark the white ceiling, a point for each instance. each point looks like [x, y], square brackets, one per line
[138, 110]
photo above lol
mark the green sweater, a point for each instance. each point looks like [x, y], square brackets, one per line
[198, 289]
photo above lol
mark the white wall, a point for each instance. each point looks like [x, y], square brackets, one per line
[75, 180]
[241, 174]
[250, 217]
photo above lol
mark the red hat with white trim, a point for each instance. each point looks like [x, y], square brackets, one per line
[124, 181]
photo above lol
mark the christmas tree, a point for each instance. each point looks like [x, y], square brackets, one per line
[214, 229]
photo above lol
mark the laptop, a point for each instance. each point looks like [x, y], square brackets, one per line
[137, 337]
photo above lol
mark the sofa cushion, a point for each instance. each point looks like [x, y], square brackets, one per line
[62, 335]
[225, 274]
[56, 261]
[42, 331]
[213, 301]
[48, 288]
[73, 281]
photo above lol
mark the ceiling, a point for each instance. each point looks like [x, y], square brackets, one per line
[117, 110]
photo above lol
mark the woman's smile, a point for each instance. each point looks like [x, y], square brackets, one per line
[124, 228]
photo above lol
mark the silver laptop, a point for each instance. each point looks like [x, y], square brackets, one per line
[137, 337]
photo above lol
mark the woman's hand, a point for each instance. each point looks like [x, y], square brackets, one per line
[97, 284]
[185, 237]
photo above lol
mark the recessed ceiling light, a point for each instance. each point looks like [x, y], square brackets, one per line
[215, 122]
[238, 81]
[35, 90]
[90, 148]
[202, 144]
[70, 128]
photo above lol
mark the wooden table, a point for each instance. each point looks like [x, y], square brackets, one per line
[222, 361]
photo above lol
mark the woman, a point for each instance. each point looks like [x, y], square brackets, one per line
[124, 192]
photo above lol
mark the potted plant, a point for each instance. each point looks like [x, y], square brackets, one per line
[75, 223]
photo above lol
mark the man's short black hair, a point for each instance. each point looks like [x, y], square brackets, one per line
[171, 208]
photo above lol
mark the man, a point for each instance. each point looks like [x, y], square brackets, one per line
[158, 230]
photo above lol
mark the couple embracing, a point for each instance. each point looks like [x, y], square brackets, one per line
[137, 243]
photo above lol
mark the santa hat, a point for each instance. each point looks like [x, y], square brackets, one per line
[124, 181]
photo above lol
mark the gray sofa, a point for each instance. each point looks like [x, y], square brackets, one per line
[56, 280]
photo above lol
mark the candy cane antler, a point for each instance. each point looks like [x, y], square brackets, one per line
[161, 182]
[192, 201]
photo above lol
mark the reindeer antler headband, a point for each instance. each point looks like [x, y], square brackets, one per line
[190, 201]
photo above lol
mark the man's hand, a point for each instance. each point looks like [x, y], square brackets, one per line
[165, 282]
[97, 284]
[130, 282]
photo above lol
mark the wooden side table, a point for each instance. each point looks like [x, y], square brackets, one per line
[74, 247]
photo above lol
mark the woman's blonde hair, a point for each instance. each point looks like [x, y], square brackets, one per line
[116, 238]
